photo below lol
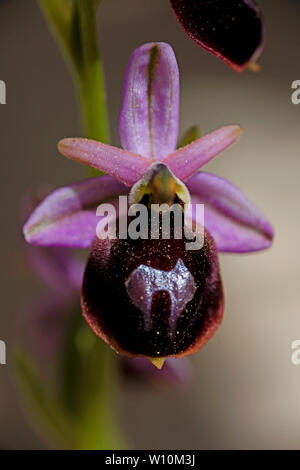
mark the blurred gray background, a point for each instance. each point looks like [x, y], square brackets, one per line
[246, 392]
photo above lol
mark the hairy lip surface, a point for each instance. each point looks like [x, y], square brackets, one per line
[124, 324]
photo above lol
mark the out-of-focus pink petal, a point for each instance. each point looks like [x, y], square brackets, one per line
[231, 29]
[149, 118]
[67, 217]
[125, 166]
[48, 319]
[186, 161]
[236, 225]
[58, 267]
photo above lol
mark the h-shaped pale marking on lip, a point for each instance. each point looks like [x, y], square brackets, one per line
[145, 281]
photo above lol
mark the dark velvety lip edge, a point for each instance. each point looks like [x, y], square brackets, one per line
[195, 347]
[233, 65]
[212, 329]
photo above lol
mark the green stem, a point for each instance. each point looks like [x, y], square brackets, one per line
[75, 28]
[58, 15]
[90, 74]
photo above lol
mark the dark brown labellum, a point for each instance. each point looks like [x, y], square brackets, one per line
[231, 29]
[153, 298]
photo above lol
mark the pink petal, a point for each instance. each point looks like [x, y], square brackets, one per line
[236, 225]
[67, 217]
[122, 165]
[149, 118]
[186, 161]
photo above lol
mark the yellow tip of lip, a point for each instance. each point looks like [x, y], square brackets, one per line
[254, 67]
[158, 362]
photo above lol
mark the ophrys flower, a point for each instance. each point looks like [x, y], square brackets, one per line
[151, 298]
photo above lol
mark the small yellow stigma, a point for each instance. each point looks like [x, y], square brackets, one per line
[158, 362]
